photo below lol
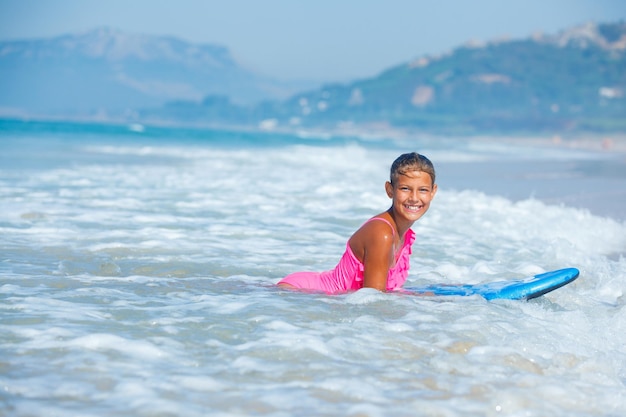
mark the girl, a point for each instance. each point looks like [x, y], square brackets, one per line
[377, 254]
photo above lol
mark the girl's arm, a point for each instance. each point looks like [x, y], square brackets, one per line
[375, 241]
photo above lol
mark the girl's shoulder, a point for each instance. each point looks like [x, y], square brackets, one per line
[380, 219]
[378, 229]
[376, 235]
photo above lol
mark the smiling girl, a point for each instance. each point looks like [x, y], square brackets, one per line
[377, 254]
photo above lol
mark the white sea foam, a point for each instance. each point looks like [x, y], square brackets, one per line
[144, 285]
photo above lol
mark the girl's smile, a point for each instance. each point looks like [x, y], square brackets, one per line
[411, 194]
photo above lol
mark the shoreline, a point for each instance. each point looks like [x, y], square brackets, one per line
[603, 142]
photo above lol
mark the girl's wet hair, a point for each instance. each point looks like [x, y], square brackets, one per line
[412, 161]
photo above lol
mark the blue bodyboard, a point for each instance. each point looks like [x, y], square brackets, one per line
[518, 289]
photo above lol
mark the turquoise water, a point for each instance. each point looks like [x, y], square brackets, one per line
[137, 271]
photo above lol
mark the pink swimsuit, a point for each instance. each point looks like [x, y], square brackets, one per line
[348, 274]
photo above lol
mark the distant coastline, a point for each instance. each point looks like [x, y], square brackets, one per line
[558, 85]
[614, 142]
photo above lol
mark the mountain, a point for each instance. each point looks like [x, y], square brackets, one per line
[575, 80]
[572, 81]
[106, 70]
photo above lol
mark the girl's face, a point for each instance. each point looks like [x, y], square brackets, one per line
[411, 194]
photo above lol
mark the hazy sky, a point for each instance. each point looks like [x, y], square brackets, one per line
[321, 40]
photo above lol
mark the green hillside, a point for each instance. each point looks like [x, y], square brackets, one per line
[573, 81]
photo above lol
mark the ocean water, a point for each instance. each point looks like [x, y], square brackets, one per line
[137, 272]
